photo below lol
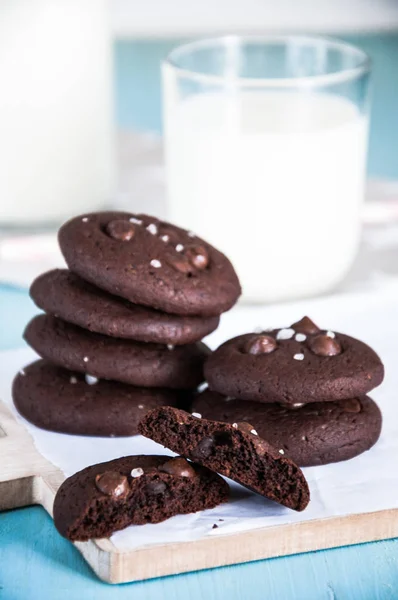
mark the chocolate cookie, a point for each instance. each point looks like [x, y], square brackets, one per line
[59, 400]
[133, 490]
[238, 453]
[65, 295]
[300, 364]
[315, 434]
[150, 262]
[146, 365]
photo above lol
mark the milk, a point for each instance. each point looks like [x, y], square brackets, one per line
[56, 155]
[273, 179]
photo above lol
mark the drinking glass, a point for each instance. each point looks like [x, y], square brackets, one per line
[266, 142]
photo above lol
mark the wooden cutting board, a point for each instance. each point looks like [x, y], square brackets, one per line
[28, 478]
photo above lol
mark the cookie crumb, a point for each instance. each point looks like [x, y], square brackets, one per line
[138, 472]
[300, 337]
[197, 415]
[91, 380]
[179, 247]
[298, 356]
[152, 228]
[156, 263]
[215, 526]
[285, 334]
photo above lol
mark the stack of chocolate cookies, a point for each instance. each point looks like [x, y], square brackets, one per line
[302, 389]
[122, 327]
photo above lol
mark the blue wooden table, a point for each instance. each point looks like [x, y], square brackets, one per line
[36, 563]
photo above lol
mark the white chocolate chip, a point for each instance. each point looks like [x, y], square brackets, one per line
[253, 431]
[156, 263]
[141, 406]
[191, 234]
[229, 398]
[85, 219]
[202, 387]
[165, 238]
[298, 405]
[298, 356]
[22, 372]
[281, 451]
[138, 472]
[235, 425]
[197, 415]
[152, 228]
[285, 334]
[135, 221]
[73, 380]
[330, 334]
[179, 247]
[304, 438]
[91, 380]
[300, 337]
[170, 346]
[85, 359]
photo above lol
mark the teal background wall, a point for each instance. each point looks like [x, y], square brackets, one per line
[138, 92]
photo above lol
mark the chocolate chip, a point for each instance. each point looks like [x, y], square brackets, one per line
[261, 344]
[204, 448]
[180, 264]
[121, 230]
[156, 487]
[198, 257]
[112, 484]
[352, 406]
[245, 427]
[178, 467]
[323, 345]
[305, 325]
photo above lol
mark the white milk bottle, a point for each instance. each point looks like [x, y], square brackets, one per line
[56, 147]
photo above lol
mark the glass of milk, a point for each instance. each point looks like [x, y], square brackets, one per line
[56, 121]
[266, 141]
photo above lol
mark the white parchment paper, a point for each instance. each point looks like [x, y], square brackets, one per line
[364, 484]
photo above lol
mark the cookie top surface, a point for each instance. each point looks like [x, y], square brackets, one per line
[133, 490]
[143, 365]
[313, 434]
[64, 294]
[56, 399]
[299, 364]
[150, 262]
[236, 453]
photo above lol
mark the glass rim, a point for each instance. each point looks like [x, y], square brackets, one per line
[231, 41]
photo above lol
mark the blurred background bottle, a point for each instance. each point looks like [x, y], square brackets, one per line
[56, 129]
